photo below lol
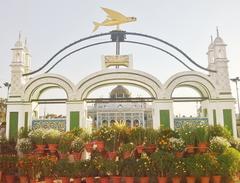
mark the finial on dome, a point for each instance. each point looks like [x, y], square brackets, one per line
[19, 36]
[217, 32]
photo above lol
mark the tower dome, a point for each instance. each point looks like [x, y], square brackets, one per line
[120, 92]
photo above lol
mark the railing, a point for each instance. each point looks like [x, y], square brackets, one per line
[55, 123]
[179, 122]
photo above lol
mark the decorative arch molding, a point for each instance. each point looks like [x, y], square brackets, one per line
[35, 86]
[119, 76]
[198, 81]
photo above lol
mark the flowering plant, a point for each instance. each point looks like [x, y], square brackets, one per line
[37, 136]
[64, 168]
[178, 167]
[24, 145]
[129, 167]
[151, 136]
[126, 147]
[186, 132]
[137, 135]
[177, 144]
[52, 136]
[77, 145]
[47, 166]
[24, 166]
[219, 144]
[144, 166]
[65, 141]
[204, 164]
[202, 133]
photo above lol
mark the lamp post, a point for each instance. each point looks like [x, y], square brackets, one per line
[235, 80]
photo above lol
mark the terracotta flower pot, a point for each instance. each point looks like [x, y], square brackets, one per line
[205, 179]
[144, 179]
[129, 179]
[190, 148]
[52, 148]
[216, 178]
[202, 147]
[126, 155]
[77, 155]
[112, 155]
[104, 180]
[150, 148]
[179, 154]
[89, 147]
[40, 148]
[63, 155]
[33, 181]
[100, 145]
[49, 179]
[140, 149]
[89, 179]
[10, 178]
[77, 180]
[65, 179]
[176, 179]
[23, 179]
[162, 179]
[191, 179]
[116, 179]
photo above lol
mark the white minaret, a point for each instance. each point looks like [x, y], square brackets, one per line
[221, 66]
[20, 64]
[211, 64]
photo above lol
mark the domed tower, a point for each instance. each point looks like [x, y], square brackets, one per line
[119, 92]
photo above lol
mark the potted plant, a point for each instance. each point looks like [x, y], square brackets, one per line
[177, 146]
[191, 168]
[114, 170]
[161, 161]
[126, 150]
[90, 170]
[186, 132]
[10, 167]
[24, 166]
[78, 169]
[151, 138]
[104, 169]
[37, 137]
[47, 169]
[128, 170]
[177, 169]
[35, 169]
[137, 136]
[218, 145]
[24, 145]
[64, 170]
[144, 168]
[64, 146]
[52, 137]
[202, 137]
[77, 146]
[220, 131]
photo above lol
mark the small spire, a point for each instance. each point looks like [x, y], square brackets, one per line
[25, 43]
[19, 36]
[211, 39]
[217, 32]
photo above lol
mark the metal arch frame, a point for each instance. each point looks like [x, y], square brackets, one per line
[104, 42]
[119, 33]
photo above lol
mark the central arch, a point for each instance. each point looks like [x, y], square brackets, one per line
[119, 76]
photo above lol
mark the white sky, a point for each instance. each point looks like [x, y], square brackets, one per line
[51, 25]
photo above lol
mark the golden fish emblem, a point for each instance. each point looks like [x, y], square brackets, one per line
[113, 18]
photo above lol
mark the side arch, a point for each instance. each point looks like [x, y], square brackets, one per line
[119, 76]
[198, 81]
[35, 86]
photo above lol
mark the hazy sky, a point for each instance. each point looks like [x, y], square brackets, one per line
[51, 25]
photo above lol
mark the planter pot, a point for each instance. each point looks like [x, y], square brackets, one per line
[100, 145]
[129, 179]
[216, 179]
[205, 179]
[179, 154]
[40, 148]
[65, 179]
[190, 148]
[144, 179]
[10, 178]
[104, 180]
[176, 179]
[140, 149]
[162, 179]
[77, 180]
[202, 147]
[52, 148]
[150, 148]
[112, 155]
[76, 155]
[126, 155]
[191, 179]
[1, 173]
[33, 181]
[49, 179]
[23, 179]
[116, 179]
[63, 155]
[89, 180]
[89, 147]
